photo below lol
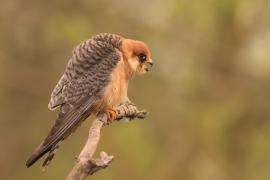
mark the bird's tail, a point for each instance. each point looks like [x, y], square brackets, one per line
[40, 152]
[66, 123]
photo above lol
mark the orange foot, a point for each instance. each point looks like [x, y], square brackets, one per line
[111, 114]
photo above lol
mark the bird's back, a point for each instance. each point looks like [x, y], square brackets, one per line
[85, 55]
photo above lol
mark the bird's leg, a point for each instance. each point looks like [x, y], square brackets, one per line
[111, 114]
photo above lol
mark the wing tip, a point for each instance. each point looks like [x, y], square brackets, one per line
[36, 157]
[31, 161]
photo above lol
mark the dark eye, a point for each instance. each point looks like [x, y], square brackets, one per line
[142, 57]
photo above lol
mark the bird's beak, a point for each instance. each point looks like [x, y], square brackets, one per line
[149, 64]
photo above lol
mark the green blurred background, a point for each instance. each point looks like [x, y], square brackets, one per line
[208, 94]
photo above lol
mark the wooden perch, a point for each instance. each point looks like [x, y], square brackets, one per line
[84, 164]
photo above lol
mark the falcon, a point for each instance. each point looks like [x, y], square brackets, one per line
[95, 81]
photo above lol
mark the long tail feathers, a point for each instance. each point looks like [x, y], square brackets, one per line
[64, 126]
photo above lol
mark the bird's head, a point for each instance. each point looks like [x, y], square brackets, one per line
[137, 55]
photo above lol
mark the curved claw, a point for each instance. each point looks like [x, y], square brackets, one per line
[111, 114]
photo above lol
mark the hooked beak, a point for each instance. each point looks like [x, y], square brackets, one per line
[149, 64]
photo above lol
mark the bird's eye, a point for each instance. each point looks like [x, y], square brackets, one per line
[142, 57]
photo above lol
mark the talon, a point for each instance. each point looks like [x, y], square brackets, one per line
[111, 114]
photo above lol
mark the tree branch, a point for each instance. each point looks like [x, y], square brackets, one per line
[84, 164]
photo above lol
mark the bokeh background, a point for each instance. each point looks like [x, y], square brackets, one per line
[208, 94]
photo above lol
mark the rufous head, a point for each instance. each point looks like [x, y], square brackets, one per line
[137, 55]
